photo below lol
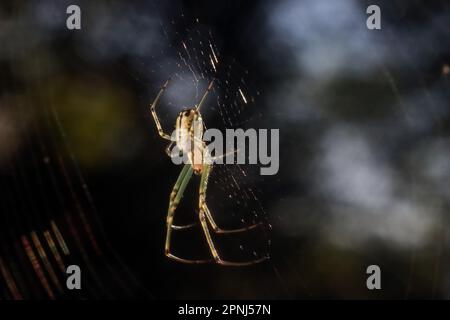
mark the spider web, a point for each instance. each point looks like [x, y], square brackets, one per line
[232, 196]
[48, 219]
[47, 216]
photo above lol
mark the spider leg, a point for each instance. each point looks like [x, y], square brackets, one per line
[175, 191]
[224, 231]
[169, 148]
[205, 95]
[207, 170]
[184, 227]
[202, 216]
[155, 116]
[224, 155]
[175, 198]
[214, 252]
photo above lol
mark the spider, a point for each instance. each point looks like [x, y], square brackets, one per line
[190, 122]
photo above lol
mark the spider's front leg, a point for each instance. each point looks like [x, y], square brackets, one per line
[155, 116]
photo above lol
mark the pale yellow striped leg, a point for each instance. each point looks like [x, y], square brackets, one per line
[155, 116]
[175, 198]
[202, 217]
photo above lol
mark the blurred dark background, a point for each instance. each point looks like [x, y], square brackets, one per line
[364, 144]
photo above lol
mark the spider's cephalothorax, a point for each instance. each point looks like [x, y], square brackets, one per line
[189, 140]
[189, 137]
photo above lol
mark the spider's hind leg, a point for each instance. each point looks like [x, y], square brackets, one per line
[203, 206]
[217, 229]
[175, 198]
[214, 252]
[184, 227]
[203, 220]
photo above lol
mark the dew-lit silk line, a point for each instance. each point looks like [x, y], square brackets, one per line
[47, 265]
[212, 63]
[16, 274]
[213, 52]
[59, 238]
[74, 232]
[37, 266]
[84, 221]
[243, 96]
[69, 184]
[92, 207]
[28, 291]
[82, 215]
[68, 219]
[189, 56]
[54, 250]
[10, 281]
[90, 233]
